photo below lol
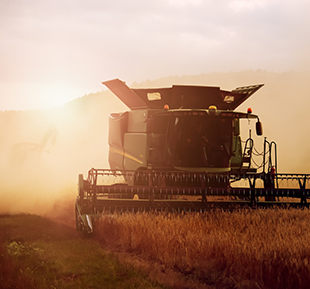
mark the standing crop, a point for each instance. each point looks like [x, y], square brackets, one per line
[268, 248]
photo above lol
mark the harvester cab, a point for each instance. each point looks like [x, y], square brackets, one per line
[182, 128]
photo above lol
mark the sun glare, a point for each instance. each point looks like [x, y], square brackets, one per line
[31, 95]
[55, 95]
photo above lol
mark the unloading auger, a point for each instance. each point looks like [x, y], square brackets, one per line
[179, 149]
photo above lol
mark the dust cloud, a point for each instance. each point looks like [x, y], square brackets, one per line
[42, 152]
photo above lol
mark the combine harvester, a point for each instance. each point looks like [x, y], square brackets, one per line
[179, 149]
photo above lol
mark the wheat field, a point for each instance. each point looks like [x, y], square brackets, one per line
[263, 248]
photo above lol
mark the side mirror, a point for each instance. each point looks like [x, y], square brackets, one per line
[259, 128]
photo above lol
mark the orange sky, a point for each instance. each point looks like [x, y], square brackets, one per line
[54, 51]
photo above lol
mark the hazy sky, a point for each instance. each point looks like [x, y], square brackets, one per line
[54, 51]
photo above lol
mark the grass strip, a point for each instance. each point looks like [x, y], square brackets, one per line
[38, 253]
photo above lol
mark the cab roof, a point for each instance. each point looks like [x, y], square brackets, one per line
[181, 96]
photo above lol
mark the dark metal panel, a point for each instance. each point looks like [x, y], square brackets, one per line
[125, 94]
[181, 96]
[241, 94]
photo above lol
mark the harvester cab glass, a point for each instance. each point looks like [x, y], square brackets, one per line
[200, 141]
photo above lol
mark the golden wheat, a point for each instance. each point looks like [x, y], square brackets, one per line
[270, 247]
